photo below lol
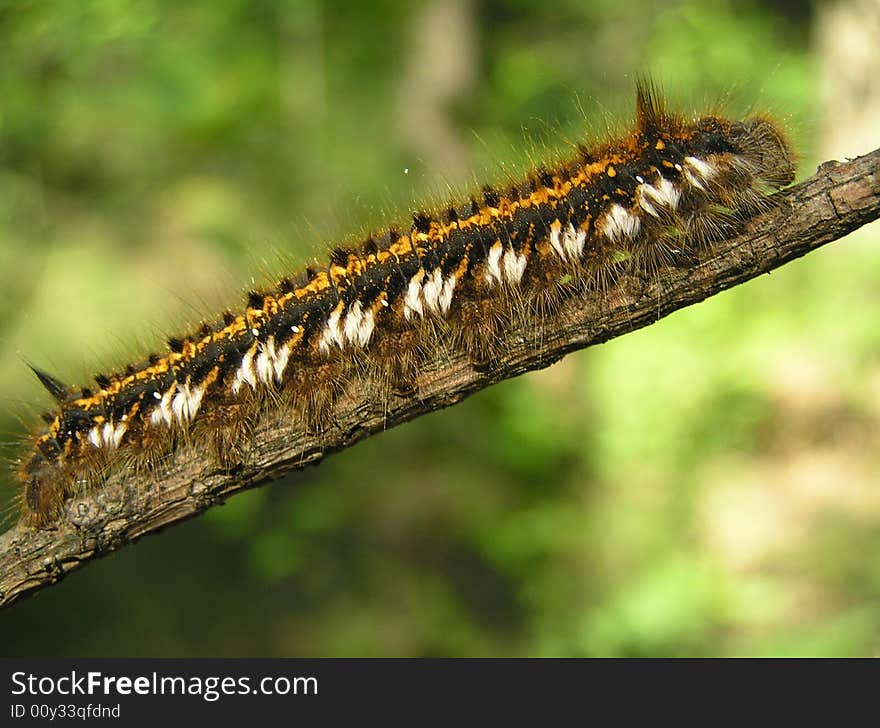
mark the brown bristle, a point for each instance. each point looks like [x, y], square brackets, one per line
[454, 280]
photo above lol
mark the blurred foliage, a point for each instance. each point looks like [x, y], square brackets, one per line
[704, 486]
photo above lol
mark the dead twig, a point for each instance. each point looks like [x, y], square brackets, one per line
[835, 201]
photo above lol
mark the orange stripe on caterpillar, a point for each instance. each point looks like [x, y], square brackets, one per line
[640, 202]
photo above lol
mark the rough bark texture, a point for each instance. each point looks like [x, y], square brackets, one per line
[838, 199]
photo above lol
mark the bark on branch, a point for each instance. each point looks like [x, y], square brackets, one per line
[838, 199]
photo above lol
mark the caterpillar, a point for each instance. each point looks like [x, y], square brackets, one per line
[375, 314]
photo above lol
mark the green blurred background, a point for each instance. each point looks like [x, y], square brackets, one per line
[704, 486]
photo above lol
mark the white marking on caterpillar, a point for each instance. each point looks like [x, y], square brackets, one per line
[195, 400]
[118, 432]
[696, 171]
[555, 242]
[179, 405]
[265, 360]
[186, 402]
[700, 167]
[669, 192]
[573, 241]
[643, 203]
[245, 373]
[515, 265]
[664, 193]
[359, 325]
[568, 243]
[282, 356]
[493, 271]
[333, 333]
[445, 299]
[353, 322]
[431, 290]
[619, 223]
[365, 330]
[412, 304]
[162, 412]
[165, 404]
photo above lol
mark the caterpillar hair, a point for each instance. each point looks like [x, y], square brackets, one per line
[375, 315]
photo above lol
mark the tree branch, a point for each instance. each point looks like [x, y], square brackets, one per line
[838, 199]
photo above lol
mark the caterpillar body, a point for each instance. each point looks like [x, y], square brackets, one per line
[458, 275]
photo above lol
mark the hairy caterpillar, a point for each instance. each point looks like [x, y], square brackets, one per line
[455, 276]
